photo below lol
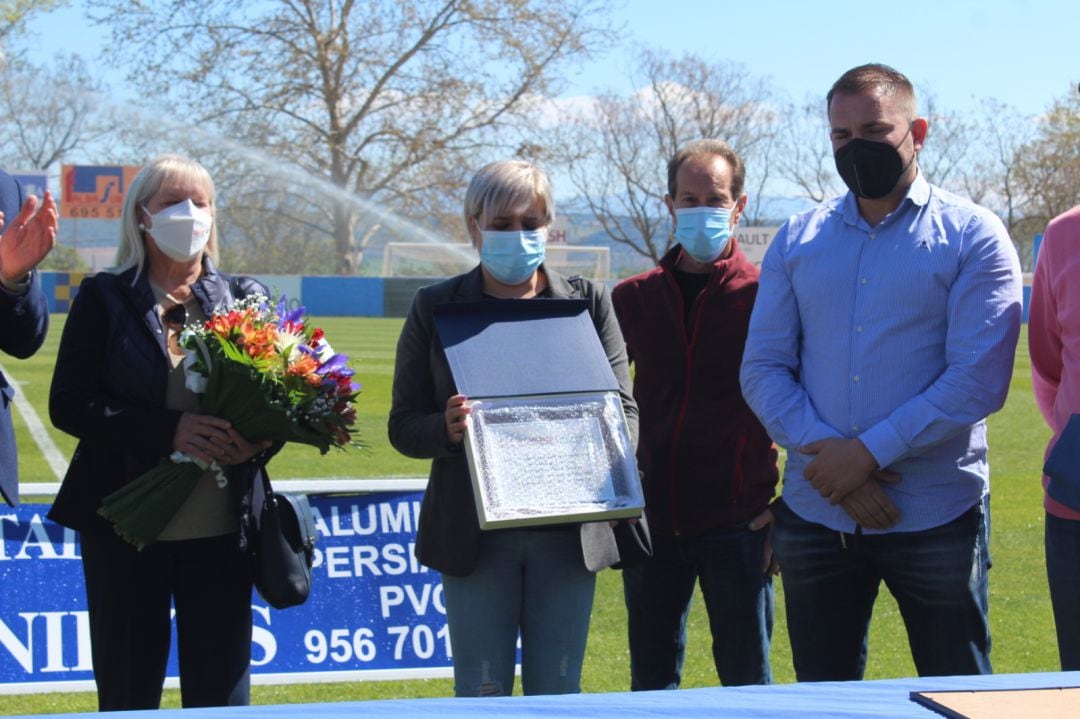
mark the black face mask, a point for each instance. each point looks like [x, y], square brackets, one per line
[871, 169]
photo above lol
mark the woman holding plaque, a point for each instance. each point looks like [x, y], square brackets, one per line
[499, 582]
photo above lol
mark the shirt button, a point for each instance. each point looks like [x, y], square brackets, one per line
[864, 280]
[856, 378]
[873, 235]
[854, 428]
[859, 329]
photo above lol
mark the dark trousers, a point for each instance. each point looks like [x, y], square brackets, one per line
[738, 598]
[938, 577]
[129, 593]
[1063, 571]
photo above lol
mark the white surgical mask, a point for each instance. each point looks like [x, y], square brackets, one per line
[181, 231]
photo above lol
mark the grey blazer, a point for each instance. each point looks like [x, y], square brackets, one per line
[449, 533]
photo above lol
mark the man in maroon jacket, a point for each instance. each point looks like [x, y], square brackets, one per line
[708, 467]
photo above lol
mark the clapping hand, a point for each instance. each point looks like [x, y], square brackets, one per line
[27, 239]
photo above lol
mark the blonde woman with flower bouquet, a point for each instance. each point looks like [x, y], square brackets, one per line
[119, 387]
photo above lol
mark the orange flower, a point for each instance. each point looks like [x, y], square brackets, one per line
[305, 366]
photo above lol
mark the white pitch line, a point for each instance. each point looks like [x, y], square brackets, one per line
[48, 448]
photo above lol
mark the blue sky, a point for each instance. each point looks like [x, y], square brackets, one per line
[1018, 51]
[1021, 52]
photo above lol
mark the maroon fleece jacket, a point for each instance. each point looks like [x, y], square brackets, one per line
[706, 461]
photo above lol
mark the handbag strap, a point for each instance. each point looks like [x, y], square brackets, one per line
[268, 491]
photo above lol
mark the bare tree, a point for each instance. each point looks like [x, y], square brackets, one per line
[46, 113]
[951, 144]
[391, 100]
[805, 158]
[1047, 168]
[15, 13]
[617, 152]
[990, 179]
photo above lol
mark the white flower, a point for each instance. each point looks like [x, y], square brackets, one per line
[193, 379]
[323, 350]
[288, 344]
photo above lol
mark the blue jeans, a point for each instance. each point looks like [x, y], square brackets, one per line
[532, 580]
[938, 577]
[1063, 571]
[738, 597]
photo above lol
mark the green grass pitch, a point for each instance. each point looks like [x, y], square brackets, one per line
[1021, 621]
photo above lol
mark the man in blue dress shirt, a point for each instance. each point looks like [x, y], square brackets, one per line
[28, 235]
[883, 335]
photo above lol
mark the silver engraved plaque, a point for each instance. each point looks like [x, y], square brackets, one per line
[551, 459]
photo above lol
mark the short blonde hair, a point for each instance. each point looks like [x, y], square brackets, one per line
[499, 185]
[132, 249]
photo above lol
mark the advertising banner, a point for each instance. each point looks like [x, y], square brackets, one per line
[753, 241]
[94, 191]
[33, 182]
[374, 611]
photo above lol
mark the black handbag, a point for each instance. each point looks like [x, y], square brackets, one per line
[283, 548]
[634, 543]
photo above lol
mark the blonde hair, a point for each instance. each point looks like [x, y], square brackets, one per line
[499, 185]
[132, 249]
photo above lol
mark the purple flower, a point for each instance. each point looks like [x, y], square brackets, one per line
[335, 363]
[284, 316]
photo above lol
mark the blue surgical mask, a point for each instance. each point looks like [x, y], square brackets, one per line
[703, 232]
[512, 256]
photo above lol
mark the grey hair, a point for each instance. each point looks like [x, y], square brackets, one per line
[499, 185]
[132, 249]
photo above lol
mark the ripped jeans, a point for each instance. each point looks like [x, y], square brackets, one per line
[532, 580]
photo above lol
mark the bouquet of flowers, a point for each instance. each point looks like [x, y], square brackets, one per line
[271, 376]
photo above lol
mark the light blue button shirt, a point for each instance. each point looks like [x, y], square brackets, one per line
[902, 335]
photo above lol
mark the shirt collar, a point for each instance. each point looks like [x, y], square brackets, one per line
[918, 194]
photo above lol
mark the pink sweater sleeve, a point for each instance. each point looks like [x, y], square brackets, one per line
[1044, 333]
[1054, 332]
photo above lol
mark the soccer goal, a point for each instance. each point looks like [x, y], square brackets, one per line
[426, 259]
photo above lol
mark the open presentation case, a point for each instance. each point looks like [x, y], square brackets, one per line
[546, 438]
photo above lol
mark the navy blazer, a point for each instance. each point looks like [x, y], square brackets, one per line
[24, 321]
[108, 390]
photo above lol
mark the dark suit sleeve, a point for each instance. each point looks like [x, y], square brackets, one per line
[417, 424]
[24, 319]
[80, 402]
[607, 327]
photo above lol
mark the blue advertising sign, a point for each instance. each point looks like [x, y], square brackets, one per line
[33, 183]
[374, 611]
